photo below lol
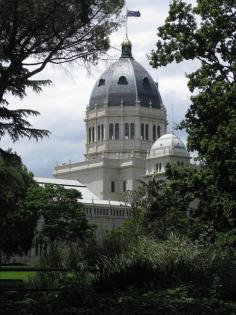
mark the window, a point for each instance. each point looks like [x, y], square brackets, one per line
[111, 132]
[101, 82]
[154, 135]
[178, 163]
[146, 131]
[124, 186]
[182, 163]
[117, 131]
[122, 80]
[142, 131]
[99, 128]
[159, 167]
[126, 131]
[132, 131]
[158, 131]
[92, 134]
[113, 186]
[146, 82]
[102, 132]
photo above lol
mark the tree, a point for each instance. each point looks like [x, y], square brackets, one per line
[62, 214]
[16, 224]
[207, 32]
[157, 209]
[35, 33]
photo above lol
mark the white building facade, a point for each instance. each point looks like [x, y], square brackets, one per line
[124, 118]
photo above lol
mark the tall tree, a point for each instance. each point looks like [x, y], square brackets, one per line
[34, 33]
[62, 214]
[207, 32]
[16, 224]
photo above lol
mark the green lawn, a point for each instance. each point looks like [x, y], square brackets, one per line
[17, 275]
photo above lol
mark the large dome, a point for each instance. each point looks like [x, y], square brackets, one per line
[125, 82]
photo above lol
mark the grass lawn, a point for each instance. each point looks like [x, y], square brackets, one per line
[16, 275]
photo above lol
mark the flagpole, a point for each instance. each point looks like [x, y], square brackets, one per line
[126, 24]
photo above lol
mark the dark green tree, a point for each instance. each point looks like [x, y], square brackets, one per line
[17, 224]
[207, 33]
[35, 33]
[62, 215]
[211, 118]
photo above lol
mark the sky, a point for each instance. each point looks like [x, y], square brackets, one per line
[62, 105]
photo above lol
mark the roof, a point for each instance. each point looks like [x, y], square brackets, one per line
[59, 181]
[169, 140]
[88, 197]
[69, 184]
[125, 83]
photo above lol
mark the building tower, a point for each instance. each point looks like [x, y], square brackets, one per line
[168, 149]
[124, 118]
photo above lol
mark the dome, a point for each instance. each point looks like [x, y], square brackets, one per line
[169, 140]
[125, 82]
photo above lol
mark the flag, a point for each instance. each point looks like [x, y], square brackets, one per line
[133, 13]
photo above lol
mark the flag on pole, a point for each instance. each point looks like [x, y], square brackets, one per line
[133, 13]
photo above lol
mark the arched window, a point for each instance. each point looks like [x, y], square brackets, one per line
[154, 133]
[117, 131]
[132, 131]
[101, 82]
[142, 131]
[102, 132]
[90, 139]
[146, 82]
[111, 132]
[99, 132]
[158, 131]
[126, 131]
[146, 131]
[122, 80]
[92, 134]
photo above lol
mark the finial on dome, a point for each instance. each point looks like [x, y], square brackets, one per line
[126, 48]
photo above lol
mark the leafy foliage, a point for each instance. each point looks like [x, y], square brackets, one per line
[206, 32]
[61, 212]
[35, 33]
[17, 224]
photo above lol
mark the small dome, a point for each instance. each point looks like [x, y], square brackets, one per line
[125, 83]
[126, 41]
[169, 140]
[126, 48]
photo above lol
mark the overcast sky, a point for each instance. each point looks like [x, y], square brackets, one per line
[62, 105]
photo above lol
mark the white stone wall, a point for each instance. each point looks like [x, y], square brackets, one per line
[166, 156]
[121, 115]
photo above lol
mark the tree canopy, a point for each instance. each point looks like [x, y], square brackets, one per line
[16, 225]
[62, 214]
[206, 32]
[35, 33]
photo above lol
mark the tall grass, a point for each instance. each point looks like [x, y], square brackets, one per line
[174, 261]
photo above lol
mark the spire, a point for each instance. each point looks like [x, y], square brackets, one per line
[126, 48]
